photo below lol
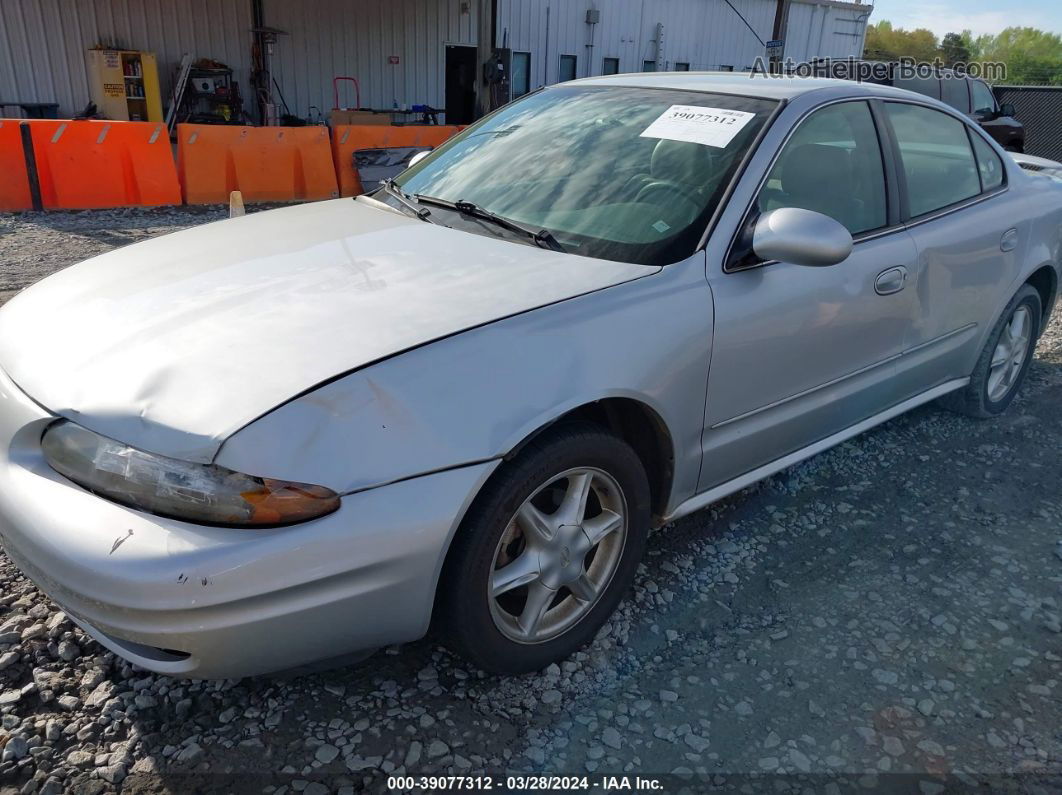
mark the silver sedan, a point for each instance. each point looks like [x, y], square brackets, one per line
[461, 403]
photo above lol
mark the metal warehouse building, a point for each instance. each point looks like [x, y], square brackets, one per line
[405, 52]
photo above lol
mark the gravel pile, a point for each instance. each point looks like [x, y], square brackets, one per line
[891, 606]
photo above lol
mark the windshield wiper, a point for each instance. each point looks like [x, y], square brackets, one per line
[388, 186]
[541, 237]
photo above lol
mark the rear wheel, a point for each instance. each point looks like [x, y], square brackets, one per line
[547, 551]
[1004, 360]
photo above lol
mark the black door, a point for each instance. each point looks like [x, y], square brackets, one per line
[460, 84]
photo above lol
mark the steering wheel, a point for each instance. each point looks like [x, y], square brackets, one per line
[674, 188]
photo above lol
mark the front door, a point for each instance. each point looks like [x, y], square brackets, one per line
[801, 353]
[460, 84]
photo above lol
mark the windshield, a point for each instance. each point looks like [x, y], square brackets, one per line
[620, 173]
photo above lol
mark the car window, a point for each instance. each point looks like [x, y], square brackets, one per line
[988, 163]
[954, 91]
[832, 165]
[926, 86]
[621, 173]
[983, 99]
[937, 160]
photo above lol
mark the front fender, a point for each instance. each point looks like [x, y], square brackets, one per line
[474, 396]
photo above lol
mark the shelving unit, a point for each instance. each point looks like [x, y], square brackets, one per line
[211, 96]
[125, 84]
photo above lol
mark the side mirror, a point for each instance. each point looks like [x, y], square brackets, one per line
[802, 237]
[417, 158]
[1006, 109]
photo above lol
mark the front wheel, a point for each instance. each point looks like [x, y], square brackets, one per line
[546, 552]
[1001, 367]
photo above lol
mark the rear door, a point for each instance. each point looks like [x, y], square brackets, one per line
[800, 353]
[958, 211]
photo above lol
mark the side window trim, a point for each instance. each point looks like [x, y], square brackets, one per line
[908, 220]
[895, 185]
[889, 169]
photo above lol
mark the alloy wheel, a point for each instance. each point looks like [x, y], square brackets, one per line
[557, 555]
[1009, 355]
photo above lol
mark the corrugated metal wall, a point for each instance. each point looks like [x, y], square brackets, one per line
[825, 30]
[355, 38]
[43, 42]
[706, 34]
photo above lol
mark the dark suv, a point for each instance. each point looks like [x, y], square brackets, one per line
[969, 95]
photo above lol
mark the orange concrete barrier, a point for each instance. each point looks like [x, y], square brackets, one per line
[263, 163]
[348, 138]
[85, 165]
[14, 181]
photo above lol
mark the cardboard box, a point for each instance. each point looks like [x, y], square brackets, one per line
[338, 117]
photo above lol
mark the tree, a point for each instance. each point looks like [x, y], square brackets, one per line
[953, 49]
[972, 45]
[886, 43]
[1032, 56]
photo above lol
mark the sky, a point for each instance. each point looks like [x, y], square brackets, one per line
[980, 16]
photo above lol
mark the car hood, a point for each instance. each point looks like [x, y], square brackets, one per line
[175, 343]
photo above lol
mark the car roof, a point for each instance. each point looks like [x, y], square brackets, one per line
[740, 83]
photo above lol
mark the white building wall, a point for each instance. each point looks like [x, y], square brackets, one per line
[43, 42]
[706, 34]
[826, 30]
[355, 38]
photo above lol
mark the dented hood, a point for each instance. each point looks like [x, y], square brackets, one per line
[175, 343]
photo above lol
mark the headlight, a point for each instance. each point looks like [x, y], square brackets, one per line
[203, 493]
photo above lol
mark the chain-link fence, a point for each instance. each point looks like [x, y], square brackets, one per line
[1039, 108]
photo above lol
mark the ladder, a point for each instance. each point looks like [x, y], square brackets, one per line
[178, 90]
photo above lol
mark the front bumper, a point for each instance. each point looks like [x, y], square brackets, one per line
[208, 602]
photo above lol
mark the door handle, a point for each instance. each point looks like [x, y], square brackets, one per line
[891, 281]
[1009, 241]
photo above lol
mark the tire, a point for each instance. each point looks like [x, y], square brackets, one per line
[978, 399]
[500, 633]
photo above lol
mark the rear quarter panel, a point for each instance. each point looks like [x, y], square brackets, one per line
[1042, 200]
[1036, 211]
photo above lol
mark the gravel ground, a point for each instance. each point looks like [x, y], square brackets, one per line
[889, 607]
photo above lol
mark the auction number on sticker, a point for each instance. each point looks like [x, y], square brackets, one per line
[711, 118]
[698, 125]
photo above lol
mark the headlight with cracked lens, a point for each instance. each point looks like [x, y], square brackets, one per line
[202, 493]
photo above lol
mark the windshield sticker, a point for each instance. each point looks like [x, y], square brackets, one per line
[661, 227]
[698, 125]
